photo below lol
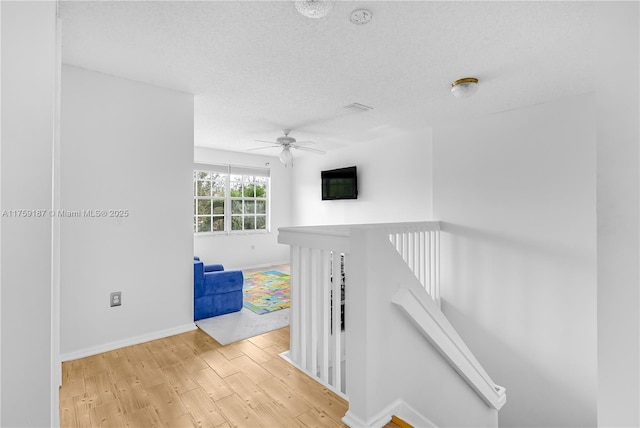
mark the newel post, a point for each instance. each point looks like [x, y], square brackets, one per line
[357, 330]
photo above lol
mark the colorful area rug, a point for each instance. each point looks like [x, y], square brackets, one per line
[266, 291]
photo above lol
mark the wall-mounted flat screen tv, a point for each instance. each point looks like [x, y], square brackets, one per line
[339, 183]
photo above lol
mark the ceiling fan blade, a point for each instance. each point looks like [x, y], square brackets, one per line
[268, 142]
[309, 149]
[266, 147]
[305, 142]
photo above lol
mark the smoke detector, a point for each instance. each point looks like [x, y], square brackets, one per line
[361, 16]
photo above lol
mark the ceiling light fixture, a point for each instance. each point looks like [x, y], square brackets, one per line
[464, 88]
[314, 8]
[361, 16]
[286, 157]
[357, 107]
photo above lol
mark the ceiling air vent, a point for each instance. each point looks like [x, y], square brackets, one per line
[357, 107]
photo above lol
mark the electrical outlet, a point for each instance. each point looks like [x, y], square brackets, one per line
[115, 298]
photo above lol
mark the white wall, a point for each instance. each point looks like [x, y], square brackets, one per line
[394, 183]
[125, 145]
[618, 137]
[238, 251]
[518, 193]
[28, 102]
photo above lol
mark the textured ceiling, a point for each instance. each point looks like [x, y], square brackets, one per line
[258, 67]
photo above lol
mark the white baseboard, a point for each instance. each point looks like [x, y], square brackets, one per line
[127, 342]
[263, 266]
[378, 421]
[398, 408]
[353, 421]
[410, 415]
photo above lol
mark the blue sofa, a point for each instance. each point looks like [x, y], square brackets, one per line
[215, 291]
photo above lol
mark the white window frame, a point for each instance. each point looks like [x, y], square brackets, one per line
[228, 171]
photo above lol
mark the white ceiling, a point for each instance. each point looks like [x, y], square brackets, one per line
[256, 67]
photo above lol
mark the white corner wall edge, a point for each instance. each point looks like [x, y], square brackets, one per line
[424, 314]
[398, 408]
[136, 340]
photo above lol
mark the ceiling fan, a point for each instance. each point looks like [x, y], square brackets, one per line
[287, 143]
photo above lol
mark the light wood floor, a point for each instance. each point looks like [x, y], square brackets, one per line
[190, 380]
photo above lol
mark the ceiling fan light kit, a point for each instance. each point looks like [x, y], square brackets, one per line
[464, 88]
[285, 156]
[314, 8]
[287, 143]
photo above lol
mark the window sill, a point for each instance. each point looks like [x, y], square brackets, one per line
[233, 233]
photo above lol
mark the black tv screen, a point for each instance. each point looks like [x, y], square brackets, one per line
[339, 183]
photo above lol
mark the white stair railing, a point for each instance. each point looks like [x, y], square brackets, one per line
[419, 246]
[317, 346]
[321, 253]
[349, 316]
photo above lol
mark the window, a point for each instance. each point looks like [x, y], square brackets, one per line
[209, 201]
[248, 202]
[229, 198]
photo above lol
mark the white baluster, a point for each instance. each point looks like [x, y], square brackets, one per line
[342, 385]
[422, 256]
[411, 255]
[295, 305]
[405, 246]
[325, 290]
[437, 268]
[417, 253]
[428, 283]
[304, 307]
[433, 265]
[315, 282]
[335, 321]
